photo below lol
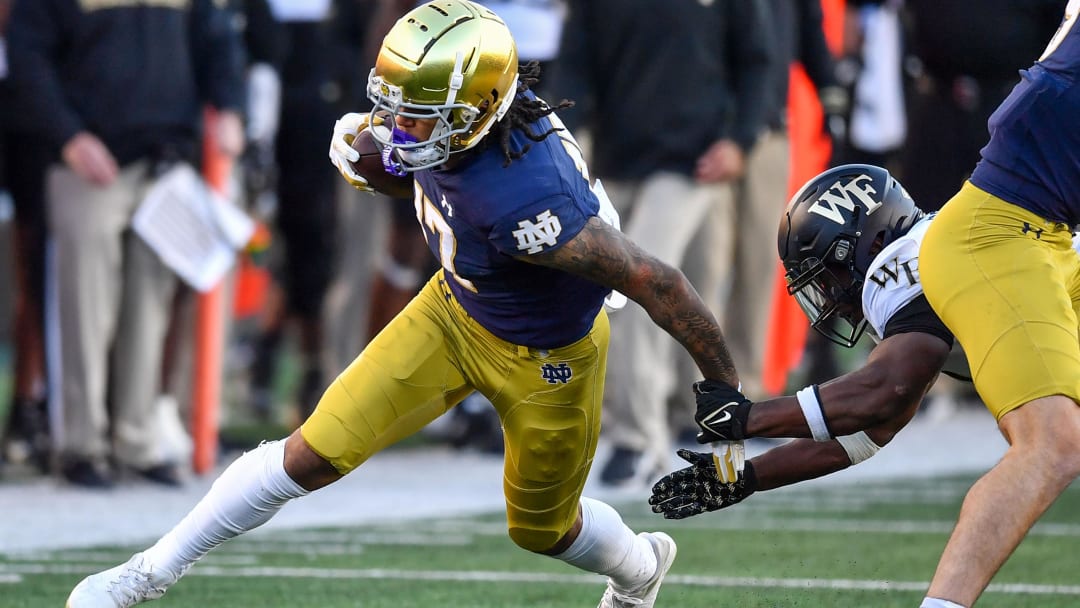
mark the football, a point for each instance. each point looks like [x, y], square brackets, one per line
[370, 167]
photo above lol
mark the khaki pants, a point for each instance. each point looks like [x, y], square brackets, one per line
[724, 238]
[113, 303]
[660, 213]
[733, 262]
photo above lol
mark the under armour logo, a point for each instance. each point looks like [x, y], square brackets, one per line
[532, 237]
[555, 374]
[1036, 231]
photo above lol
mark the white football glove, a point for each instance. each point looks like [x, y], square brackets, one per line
[342, 154]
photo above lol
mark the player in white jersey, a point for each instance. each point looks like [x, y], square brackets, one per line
[849, 241]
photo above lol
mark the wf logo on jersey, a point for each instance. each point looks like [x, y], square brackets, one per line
[533, 236]
[856, 190]
[555, 374]
[893, 271]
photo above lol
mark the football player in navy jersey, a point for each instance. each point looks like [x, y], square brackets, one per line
[998, 270]
[529, 253]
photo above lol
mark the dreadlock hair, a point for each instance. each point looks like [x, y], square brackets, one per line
[523, 112]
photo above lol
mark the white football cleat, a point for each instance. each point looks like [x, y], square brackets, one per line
[128, 584]
[645, 595]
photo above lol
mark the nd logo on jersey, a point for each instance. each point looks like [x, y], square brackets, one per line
[555, 374]
[533, 236]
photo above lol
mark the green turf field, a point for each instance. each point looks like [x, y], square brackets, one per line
[874, 544]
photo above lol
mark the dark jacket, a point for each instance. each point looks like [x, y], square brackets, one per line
[800, 37]
[658, 81]
[988, 40]
[135, 74]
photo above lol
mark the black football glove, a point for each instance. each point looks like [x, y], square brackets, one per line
[722, 412]
[696, 489]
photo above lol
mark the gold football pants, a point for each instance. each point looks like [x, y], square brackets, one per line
[1007, 283]
[429, 358]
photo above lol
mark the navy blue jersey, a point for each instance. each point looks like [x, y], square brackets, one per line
[1033, 158]
[480, 217]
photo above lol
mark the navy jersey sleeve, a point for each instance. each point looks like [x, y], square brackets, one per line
[544, 225]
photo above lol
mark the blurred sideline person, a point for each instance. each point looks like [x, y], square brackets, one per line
[305, 216]
[665, 171]
[967, 63]
[118, 91]
[998, 268]
[849, 241]
[730, 254]
[25, 437]
[515, 312]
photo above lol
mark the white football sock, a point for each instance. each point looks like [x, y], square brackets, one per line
[933, 602]
[607, 546]
[246, 495]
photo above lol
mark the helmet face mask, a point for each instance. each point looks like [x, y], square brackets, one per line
[830, 298]
[454, 63]
[832, 230]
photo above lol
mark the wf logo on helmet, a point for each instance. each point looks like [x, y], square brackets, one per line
[845, 195]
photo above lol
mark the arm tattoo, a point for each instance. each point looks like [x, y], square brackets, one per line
[605, 256]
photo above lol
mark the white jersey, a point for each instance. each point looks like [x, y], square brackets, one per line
[892, 280]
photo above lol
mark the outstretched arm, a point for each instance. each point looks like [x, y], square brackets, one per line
[864, 410]
[885, 392]
[605, 256]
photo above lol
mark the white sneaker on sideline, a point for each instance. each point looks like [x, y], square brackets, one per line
[645, 595]
[125, 585]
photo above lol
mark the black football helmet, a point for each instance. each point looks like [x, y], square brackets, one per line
[829, 234]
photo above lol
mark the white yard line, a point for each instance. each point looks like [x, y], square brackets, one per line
[14, 570]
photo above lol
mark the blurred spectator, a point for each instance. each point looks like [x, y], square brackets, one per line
[967, 57]
[873, 129]
[675, 97]
[747, 270]
[118, 91]
[362, 217]
[23, 159]
[871, 69]
[306, 213]
[537, 28]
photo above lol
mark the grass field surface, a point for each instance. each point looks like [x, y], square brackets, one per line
[866, 544]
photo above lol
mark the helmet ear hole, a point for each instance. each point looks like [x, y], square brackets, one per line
[878, 244]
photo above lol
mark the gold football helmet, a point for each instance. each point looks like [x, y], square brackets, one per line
[451, 60]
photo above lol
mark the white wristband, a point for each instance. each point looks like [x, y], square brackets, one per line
[811, 409]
